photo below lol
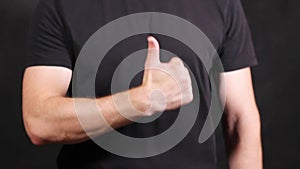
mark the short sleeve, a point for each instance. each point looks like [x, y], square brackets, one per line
[237, 50]
[48, 45]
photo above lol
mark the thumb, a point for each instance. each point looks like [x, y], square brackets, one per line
[153, 52]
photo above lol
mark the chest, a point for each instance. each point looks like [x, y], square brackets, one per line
[91, 15]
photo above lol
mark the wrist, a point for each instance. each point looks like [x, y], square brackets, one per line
[140, 100]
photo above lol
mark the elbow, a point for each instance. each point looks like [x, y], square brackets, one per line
[36, 140]
[256, 124]
[34, 130]
[250, 126]
[35, 134]
[244, 124]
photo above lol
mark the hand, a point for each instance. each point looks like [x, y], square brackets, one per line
[168, 85]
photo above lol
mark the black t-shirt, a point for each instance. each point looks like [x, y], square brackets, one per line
[61, 28]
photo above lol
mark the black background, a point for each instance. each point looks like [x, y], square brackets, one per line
[275, 26]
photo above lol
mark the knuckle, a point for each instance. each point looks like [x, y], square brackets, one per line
[184, 81]
[186, 71]
[190, 98]
[176, 61]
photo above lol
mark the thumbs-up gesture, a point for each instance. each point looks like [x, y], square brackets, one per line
[168, 84]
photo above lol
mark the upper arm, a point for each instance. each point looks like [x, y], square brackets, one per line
[42, 82]
[239, 94]
[49, 61]
[237, 56]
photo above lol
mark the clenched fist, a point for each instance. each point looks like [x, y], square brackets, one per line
[168, 84]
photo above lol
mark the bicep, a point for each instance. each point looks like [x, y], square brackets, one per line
[42, 82]
[239, 93]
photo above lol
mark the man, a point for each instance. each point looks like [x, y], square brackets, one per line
[61, 28]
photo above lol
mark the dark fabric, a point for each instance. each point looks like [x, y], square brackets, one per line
[61, 28]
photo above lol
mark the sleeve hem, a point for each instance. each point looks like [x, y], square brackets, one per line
[240, 66]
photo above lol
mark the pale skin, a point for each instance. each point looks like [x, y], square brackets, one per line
[50, 117]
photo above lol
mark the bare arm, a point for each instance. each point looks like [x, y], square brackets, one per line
[50, 117]
[242, 122]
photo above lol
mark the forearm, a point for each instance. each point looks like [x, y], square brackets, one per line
[55, 119]
[244, 142]
[246, 156]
